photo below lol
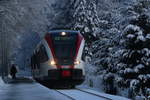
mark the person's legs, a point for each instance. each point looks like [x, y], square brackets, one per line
[13, 76]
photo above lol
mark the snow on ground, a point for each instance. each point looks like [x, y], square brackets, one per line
[33, 91]
[100, 92]
[28, 91]
[79, 95]
[1, 82]
[113, 97]
[84, 86]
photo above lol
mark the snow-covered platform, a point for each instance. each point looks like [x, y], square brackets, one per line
[27, 89]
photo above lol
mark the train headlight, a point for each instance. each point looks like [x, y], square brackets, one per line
[77, 62]
[52, 62]
[63, 33]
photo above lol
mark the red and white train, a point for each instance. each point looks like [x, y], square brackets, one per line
[58, 58]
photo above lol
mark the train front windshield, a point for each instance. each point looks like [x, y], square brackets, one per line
[65, 48]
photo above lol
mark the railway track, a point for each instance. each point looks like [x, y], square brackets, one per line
[65, 95]
[94, 94]
[79, 94]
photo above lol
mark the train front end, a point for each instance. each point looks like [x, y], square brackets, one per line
[66, 49]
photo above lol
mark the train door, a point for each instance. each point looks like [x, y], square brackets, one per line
[43, 58]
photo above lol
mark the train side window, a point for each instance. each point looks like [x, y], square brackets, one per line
[33, 61]
[43, 54]
[37, 59]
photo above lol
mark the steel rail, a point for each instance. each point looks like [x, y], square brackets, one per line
[94, 94]
[65, 95]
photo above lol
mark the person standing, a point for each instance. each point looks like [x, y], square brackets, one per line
[13, 71]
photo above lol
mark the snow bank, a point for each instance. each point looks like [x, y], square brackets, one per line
[1, 81]
[108, 95]
[96, 91]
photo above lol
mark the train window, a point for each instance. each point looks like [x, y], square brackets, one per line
[67, 45]
[35, 60]
[64, 48]
[43, 54]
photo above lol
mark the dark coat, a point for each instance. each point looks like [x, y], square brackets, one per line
[13, 70]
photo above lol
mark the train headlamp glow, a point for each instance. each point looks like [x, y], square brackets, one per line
[52, 62]
[77, 62]
[63, 33]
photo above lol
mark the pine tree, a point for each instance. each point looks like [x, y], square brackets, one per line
[87, 22]
[134, 69]
[63, 14]
[80, 16]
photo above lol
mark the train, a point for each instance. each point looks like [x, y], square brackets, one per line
[57, 59]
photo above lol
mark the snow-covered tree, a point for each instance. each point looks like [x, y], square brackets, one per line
[87, 22]
[86, 19]
[21, 19]
[121, 55]
[105, 57]
[134, 69]
[62, 14]
[80, 16]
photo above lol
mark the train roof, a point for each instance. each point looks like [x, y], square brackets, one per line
[58, 31]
